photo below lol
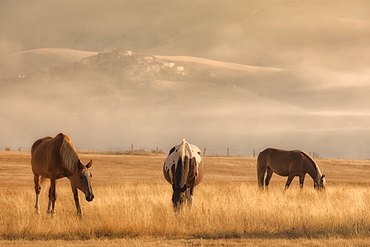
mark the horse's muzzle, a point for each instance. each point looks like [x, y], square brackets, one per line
[90, 198]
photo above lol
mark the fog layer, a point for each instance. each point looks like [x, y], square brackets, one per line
[294, 75]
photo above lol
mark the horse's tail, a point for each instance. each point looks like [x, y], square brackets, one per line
[261, 167]
[68, 153]
[182, 166]
[184, 150]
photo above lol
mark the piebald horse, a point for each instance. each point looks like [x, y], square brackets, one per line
[290, 164]
[184, 169]
[56, 158]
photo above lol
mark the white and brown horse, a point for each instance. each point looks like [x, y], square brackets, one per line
[184, 169]
[290, 164]
[55, 158]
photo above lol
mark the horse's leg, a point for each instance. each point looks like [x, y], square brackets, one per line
[52, 196]
[288, 182]
[77, 200]
[190, 192]
[301, 180]
[268, 177]
[36, 179]
[190, 197]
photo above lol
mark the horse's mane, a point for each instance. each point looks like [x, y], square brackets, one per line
[318, 172]
[69, 155]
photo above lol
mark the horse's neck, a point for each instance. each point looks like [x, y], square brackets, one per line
[69, 156]
[313, 170]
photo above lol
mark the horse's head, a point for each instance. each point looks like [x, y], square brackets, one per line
[321, 183]
[178, 196]
[82, 180]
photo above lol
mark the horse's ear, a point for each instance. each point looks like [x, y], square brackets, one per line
[323, 176]
[80, 165]
[89, 164]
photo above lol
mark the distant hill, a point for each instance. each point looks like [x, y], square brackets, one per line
[26, 62]
[140, 92]
[124, 66]
[117, 97]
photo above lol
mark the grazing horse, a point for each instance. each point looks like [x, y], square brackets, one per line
[184, 169]
[56, 158]
[288, 163]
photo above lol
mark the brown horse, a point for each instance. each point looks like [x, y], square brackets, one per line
[56, 158]
[184, 169]
[288, 163]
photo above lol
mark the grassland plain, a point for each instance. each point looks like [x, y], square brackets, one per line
[132, 206]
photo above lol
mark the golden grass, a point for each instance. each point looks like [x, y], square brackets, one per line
[233, 210]
[132, 206]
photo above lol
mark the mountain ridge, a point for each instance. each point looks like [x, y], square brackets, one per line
[48, 57]
[29, 61]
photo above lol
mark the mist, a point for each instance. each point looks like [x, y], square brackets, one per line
[304, 84]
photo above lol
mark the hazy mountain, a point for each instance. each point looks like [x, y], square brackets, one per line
[291, 74]
[27, 62]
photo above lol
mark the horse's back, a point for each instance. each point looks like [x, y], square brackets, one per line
[39, 146]
[274, 153]
[264, 157]
[200, 167]
[45, 151]
[42, 144]
[170, 164]
[280, 161]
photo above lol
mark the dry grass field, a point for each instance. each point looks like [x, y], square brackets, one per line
[132, 206]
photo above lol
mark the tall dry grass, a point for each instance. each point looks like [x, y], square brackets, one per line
[220, 210]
